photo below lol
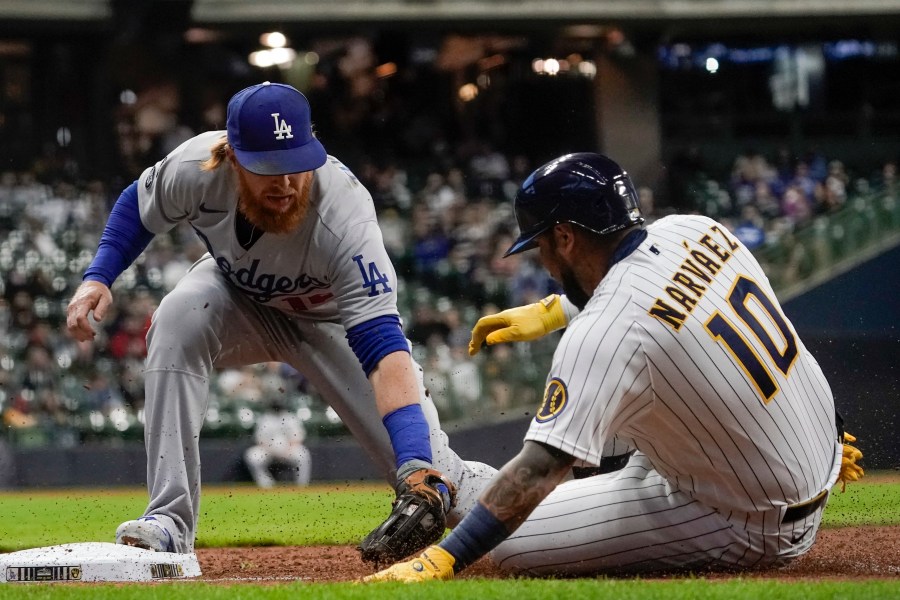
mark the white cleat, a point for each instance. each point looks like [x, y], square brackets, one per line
[147, 533]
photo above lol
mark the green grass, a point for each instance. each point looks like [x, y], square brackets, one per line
[733, 589]
[243, 515]
[247, 516]
[870, 501]
[230, 516]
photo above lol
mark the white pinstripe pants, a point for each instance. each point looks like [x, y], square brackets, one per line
[634, 521]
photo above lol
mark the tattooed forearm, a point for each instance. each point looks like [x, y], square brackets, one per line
[512, 497]
[524, 482]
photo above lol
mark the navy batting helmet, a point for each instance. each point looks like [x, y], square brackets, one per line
[586, 189]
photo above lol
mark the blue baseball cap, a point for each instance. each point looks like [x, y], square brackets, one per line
[270, 130]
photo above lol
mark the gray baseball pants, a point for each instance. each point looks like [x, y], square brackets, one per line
[206, 323]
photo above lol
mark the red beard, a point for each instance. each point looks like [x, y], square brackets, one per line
[271, 220]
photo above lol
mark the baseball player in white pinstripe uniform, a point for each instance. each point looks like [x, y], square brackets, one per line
[296, 272]
[678, 352]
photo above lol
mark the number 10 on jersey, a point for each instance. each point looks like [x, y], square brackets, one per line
[782, 352]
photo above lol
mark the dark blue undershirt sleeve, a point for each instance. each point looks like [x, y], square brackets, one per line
[123, 239]
[373, 340]
[478, 533]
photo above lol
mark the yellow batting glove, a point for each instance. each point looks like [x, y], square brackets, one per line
[850, 471]
[520, 324]
[433, 563]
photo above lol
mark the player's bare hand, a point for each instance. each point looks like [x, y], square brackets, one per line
[90, 297]
[520, 324]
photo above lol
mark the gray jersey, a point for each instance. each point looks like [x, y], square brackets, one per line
[684, 351]
[333, 267]
[266, 297]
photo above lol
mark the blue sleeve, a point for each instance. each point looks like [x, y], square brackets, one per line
[373, 340]
[123, 239]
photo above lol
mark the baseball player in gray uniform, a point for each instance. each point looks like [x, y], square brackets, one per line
[296, 272]
[679, 353]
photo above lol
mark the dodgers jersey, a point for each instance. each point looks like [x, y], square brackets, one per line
[684, 351]
[333, 267]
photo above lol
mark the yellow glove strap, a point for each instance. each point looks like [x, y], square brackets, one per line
[553, 316]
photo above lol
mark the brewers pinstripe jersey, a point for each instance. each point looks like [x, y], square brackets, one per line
[332, 267]
[684, 350]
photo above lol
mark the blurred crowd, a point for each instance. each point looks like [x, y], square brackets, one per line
[764, 198]
[446, 228]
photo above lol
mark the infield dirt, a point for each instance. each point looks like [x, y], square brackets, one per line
[847, 553]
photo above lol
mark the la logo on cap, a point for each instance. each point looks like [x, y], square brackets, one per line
[282, 129]
[269, 127]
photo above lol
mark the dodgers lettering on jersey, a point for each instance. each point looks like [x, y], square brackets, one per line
[262, 287]
[333, 267]
[684, 351]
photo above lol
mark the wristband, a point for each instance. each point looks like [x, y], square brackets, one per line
[409, 433]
